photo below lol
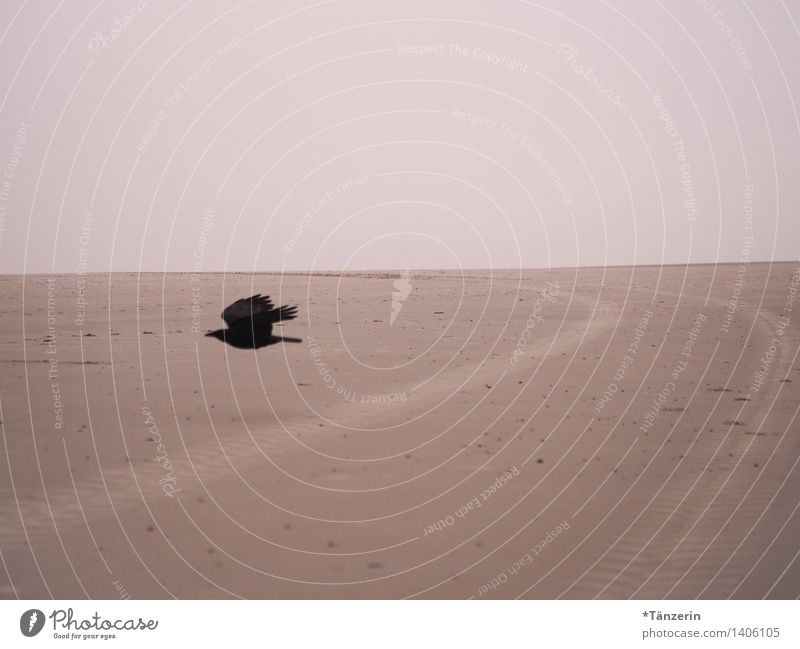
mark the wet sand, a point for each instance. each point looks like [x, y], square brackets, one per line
[614, 433]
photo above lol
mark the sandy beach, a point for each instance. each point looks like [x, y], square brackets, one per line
[575, 433]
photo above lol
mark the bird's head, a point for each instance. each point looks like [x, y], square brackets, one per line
[219, 334]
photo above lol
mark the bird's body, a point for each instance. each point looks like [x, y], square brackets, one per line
[250, 323]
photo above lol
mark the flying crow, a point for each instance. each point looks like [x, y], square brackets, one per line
[250, 323]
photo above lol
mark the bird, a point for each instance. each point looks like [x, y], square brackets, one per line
[250, 321]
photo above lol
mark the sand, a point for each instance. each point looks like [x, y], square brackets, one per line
[611, 433]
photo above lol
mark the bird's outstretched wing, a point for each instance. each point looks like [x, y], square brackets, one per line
[284, 313]
[255, 308]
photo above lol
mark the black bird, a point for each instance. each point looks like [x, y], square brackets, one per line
[250, 323]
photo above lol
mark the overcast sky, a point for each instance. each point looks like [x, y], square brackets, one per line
[350, 135]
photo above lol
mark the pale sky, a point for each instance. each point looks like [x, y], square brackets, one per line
[345, 135]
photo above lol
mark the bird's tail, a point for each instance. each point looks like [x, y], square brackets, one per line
[283, 313]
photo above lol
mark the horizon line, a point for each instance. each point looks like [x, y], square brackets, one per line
[392, 270]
